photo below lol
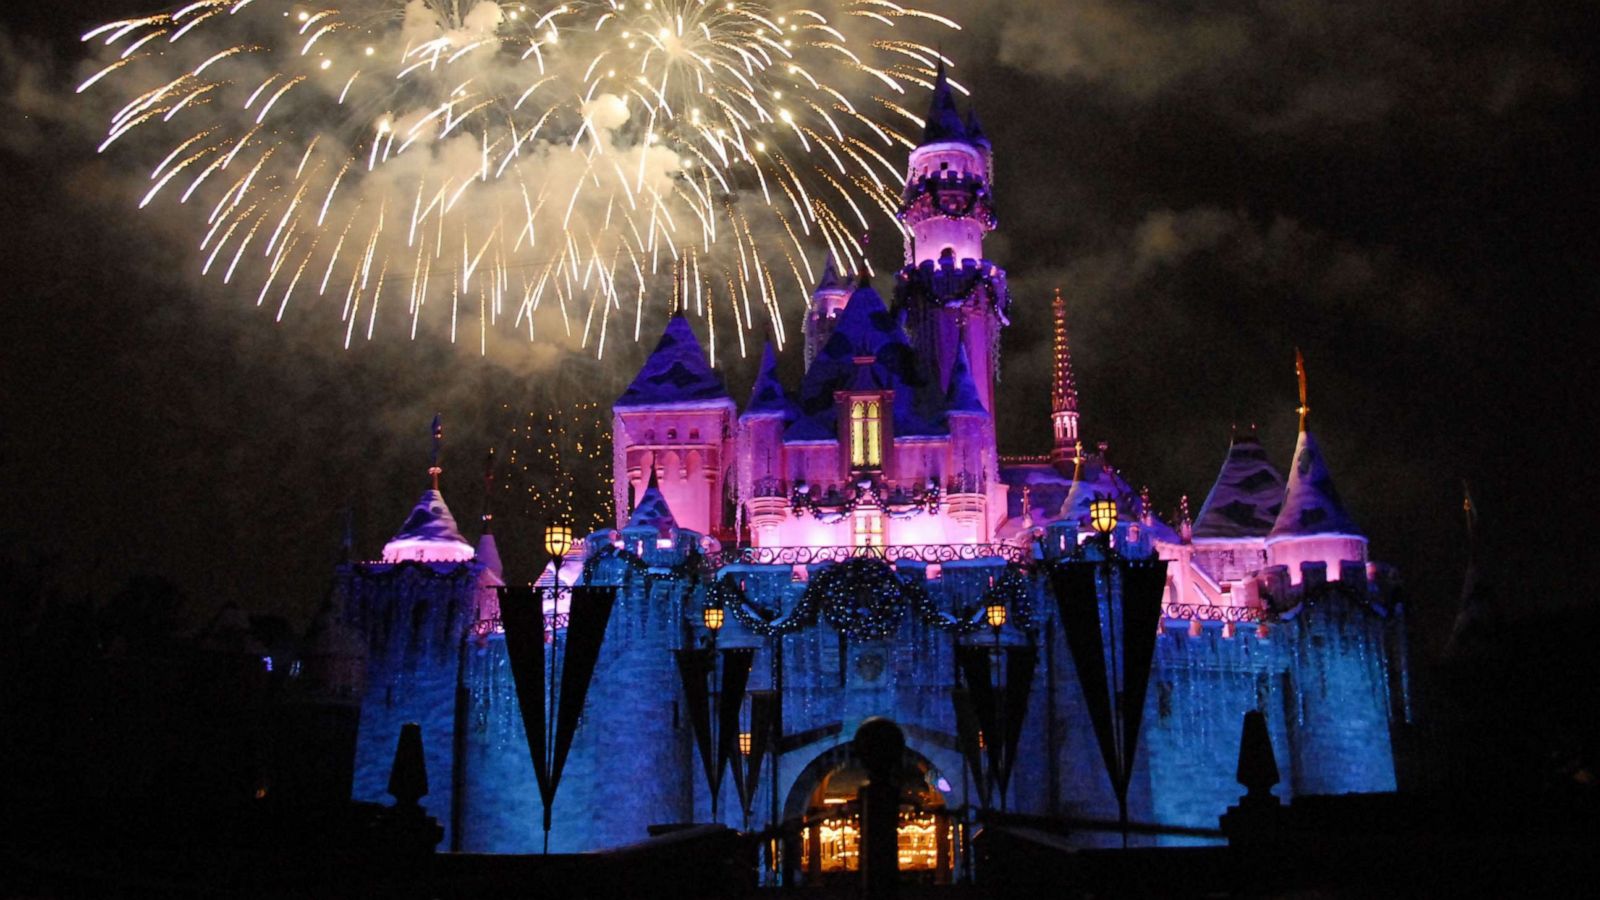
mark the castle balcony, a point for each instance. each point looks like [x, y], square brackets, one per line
[890, 553]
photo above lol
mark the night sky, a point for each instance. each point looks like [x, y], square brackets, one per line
[1405, 194]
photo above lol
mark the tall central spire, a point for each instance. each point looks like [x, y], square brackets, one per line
[1063, 391]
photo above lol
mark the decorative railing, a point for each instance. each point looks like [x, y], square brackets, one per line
[553, 622]
[924, 553]
[1205, 612]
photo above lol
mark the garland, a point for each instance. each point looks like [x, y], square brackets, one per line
[869, 493]
[866, 599]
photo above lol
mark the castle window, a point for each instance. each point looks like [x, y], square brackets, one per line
[866, 434]
[867, 529]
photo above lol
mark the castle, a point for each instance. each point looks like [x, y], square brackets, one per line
[857, 531]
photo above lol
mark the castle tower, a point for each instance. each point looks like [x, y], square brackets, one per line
[761, 448]
[1064, 451]
[827, 301]
[947, 292]
[1313, 527]
[677, 419]
[413, 607]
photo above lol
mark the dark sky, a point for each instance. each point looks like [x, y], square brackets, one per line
[1405, 191]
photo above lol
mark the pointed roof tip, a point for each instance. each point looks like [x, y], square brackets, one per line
[975, 132]
[676, 371]
[1304, 409]
[943, 122]
[963, 394]
[1311, 505]
[652, 510]
[1246, 497]
[831, 279]
[767, 395]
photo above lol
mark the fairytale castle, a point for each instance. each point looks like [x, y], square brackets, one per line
[854, 534]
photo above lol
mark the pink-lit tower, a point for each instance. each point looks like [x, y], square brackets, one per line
[1065, 449]
[827, 301]
[947, 292]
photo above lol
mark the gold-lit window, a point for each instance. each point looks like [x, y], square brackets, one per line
[868, 529]
[866, 434]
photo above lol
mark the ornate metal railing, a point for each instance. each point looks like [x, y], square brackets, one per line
[553, 622]
[924, 553]
[1205, 612]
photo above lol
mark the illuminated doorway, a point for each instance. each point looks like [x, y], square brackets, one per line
[827, 847]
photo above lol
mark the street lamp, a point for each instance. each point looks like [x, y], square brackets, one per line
[995, 614]
[712, 616]
[558, 540]
[1102, 514]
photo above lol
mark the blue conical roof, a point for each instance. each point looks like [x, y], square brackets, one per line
[1311, 505]
[963, 394]
[652, 510]
[867, 330]
[767, 397]
[944, 121]
[675, 372]
[1245, 500]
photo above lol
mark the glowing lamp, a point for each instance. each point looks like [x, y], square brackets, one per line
[557, 540]
[1103, 514]
[712, 616]
[744, 742]
[995, 614]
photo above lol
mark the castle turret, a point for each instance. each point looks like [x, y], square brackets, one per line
[947, 292]
[1064, 450]
[827, 301]
[1313, 528]
[429, 533]
[761, 451]
[970, 432]
[676, 417]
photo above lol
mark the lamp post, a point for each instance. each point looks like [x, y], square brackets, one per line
[1122, 595]
[712, 617]
[995, 614]
[557, 541]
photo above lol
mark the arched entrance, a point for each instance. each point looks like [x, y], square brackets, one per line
[826, 843]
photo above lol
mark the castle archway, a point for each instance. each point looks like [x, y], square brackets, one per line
[822, 802]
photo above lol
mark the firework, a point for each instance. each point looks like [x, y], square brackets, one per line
[558, 467]
[465, 163]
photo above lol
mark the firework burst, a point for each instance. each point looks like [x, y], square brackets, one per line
[479, 166]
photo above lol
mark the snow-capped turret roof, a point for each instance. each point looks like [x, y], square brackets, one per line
[652, 510]
[1311, 505]
[962, 398]
[944, 121]
[429, 534]
[767, 396]
[1245, 500]
[675, 372]
[488, 554]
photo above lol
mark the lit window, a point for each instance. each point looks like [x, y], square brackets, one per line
[868, 530]
[866, 434]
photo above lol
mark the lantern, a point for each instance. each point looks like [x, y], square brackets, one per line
[995, 614]
[1103, 514]
[557, 540]
[744, 742]
[712, 615]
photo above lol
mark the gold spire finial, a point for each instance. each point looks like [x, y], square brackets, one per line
[1300, 375]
